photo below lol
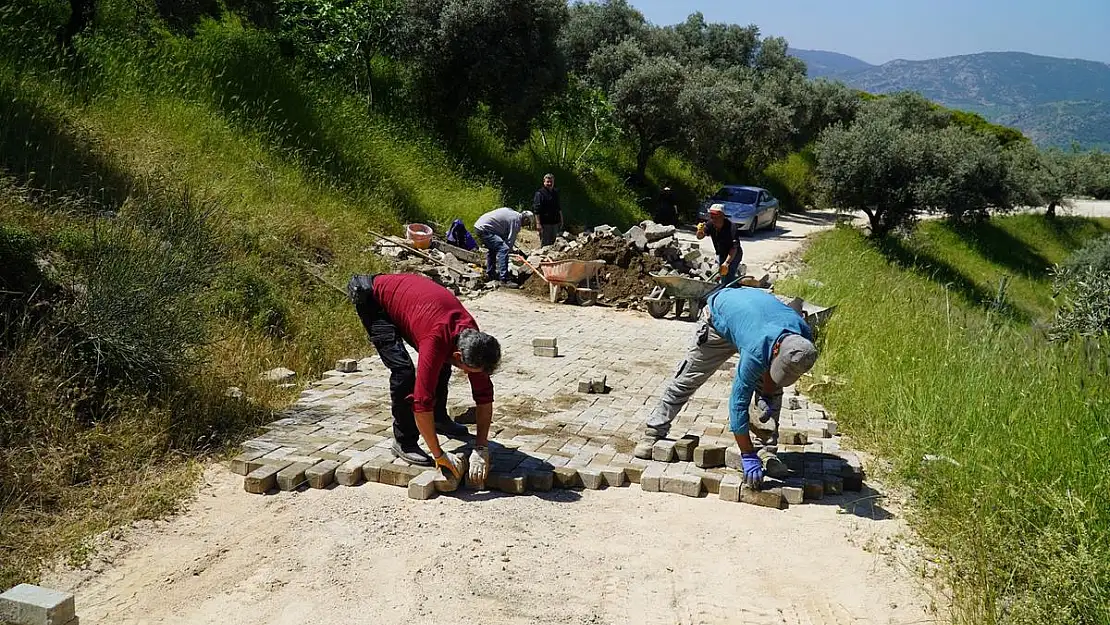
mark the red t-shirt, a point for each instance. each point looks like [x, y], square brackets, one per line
[430, 318]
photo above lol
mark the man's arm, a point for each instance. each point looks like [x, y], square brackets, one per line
[426, 423]
[483, 416]
[433, 356]
[537, 203]
[747, 379]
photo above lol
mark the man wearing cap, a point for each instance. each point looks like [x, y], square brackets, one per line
[726, 241]
[775, 346]
[497, 230]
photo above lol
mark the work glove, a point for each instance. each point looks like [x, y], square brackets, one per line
[753, 469]
[479, 467]
[724, 270]
[448, 465]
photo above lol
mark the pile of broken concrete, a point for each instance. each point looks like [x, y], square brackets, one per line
[457, 269]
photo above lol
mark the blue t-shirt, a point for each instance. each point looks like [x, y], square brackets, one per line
[752, 320]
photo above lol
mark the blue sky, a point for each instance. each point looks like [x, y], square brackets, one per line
[881, 30]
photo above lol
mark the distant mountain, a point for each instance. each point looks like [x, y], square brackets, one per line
[829, 64]
[1053, 101]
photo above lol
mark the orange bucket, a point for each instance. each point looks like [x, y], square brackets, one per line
[420, 235]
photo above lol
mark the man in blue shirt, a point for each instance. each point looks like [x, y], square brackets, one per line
[775, 346]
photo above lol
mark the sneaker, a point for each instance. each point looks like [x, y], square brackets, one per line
[776, 468]
[644, 447]
[412, 454]
[451, 429]
[508, 284]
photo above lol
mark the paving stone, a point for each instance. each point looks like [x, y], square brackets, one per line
[540, 481]
[567, 477]
[709, 456]
[686, 484]
[350, 472]
[633, 472]
[346, 365]
[792, 436]
[584, 386]
[834, 485]
[663, 451]
[292, 477]
[768, 498]
[423, 486]
[321, 474]
[793, 495]
[511, 483]
[263, 479]
[732, 457]
[598, 386]
[372, 468]
[651, 479]
[591, 478]
[545, 341]
[241, 464]
[614, 477]
[711, 481]
[814, 490]
[685, 446]
[546, 352]
[27, 604]
[730, 488]
[395, 474]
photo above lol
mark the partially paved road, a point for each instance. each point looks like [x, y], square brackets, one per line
[368, 554]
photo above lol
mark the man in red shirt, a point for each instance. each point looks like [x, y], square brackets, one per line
[407, 308]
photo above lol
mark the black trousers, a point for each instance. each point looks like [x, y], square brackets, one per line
[391, 348]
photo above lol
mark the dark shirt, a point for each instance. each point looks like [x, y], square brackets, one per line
[430, 318]
[546, 206]
[723, 239]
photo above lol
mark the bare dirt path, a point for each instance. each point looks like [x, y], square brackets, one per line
[368, 554]
[767, 246]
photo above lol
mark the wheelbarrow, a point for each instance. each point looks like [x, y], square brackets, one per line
[563, 278]
[676, 291]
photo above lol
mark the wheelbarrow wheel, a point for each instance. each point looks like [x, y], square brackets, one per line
[586, 297]
[659, 308]
[561, 294]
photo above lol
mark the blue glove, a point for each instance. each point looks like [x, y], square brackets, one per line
[753, 469]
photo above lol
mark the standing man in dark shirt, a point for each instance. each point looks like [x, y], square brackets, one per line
[549, 215]
[725, 241]
[405, 308]
[666, 211]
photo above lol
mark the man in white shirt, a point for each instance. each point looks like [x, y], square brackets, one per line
[497, 230]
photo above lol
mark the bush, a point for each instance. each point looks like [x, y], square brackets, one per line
[1083, 284]
[792, 180]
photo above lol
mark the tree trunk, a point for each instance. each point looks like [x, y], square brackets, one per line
[643, 155]
[81, 13]
[1051, 212]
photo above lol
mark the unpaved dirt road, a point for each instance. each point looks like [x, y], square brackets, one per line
[370, 555]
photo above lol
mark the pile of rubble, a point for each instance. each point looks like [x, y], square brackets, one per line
[461, 271]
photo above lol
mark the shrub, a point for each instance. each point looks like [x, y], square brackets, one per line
[1083, 284]
[792, 180]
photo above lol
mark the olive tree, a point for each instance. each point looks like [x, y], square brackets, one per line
[646, 106]
[591, 26]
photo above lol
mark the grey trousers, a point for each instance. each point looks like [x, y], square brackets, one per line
[548, 233]
[708, 351]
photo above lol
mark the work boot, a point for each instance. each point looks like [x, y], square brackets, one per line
[412, 454]
[644, 447]
[775, 468]
[450, 429]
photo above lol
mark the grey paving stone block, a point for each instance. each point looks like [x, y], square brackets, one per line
[768, 498]
[511, 483]
[350, 473]
[27, 604]
[540, 481]
[584, 386]
[546, 352]
[598, 385]
[730, 488]
[614, 476]
[709, 456]
[241, 464]
[711, 481]
[263, 479]
[793, 495]
[372, 468]
[792, 436]
[633, 472]
[397, 474]
[321, 474]
[732, 457]
[545, 341]
[663, 451]
[346, 365]
[292, 477]
[685, 446]
[567, 477]
[686, 484]
[591, 478]
[651, 478]
[423, 486]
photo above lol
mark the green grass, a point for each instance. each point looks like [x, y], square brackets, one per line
[935, 367]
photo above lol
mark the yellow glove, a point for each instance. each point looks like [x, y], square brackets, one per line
[701, 228]
[724, 270]
[448, 465]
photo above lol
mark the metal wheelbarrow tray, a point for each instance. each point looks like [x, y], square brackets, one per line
[675, 291]
[564, 276]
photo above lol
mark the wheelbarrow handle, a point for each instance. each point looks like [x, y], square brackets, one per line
[534, 270]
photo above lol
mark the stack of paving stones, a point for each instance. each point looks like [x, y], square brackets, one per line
[565, 422]
[26, 604]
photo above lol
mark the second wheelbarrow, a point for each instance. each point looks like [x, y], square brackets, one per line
[675, 291]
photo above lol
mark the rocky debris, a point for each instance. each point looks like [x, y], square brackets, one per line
[460, 271]
[656, 232]
[279, 375]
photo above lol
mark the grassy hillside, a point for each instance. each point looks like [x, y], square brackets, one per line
[941, 364]
[160, 198]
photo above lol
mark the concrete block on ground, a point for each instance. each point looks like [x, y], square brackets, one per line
[350, 473]
[711, 481]
[598, 385]
[540, 481]
[372, 468]
[321, 474]
[423, 486]
[292, 477]
[709, 456]
[567, 477]
[793, 495]
[584, 386]
[651, 478]
[633, 472]
[545, 341]
[730, 488]
[829, 425]
[686, 484]
[512, 483]
[732, 457]
[792, 436]
[797, 403]
[614, 476]
[591, 478]
[263, 479]
[663, 451]
[398, 474]
[241, 464]
[685, 446]
[769, 498]
[346, 365]
[813, 490]
[546, 352]
[27, 604]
